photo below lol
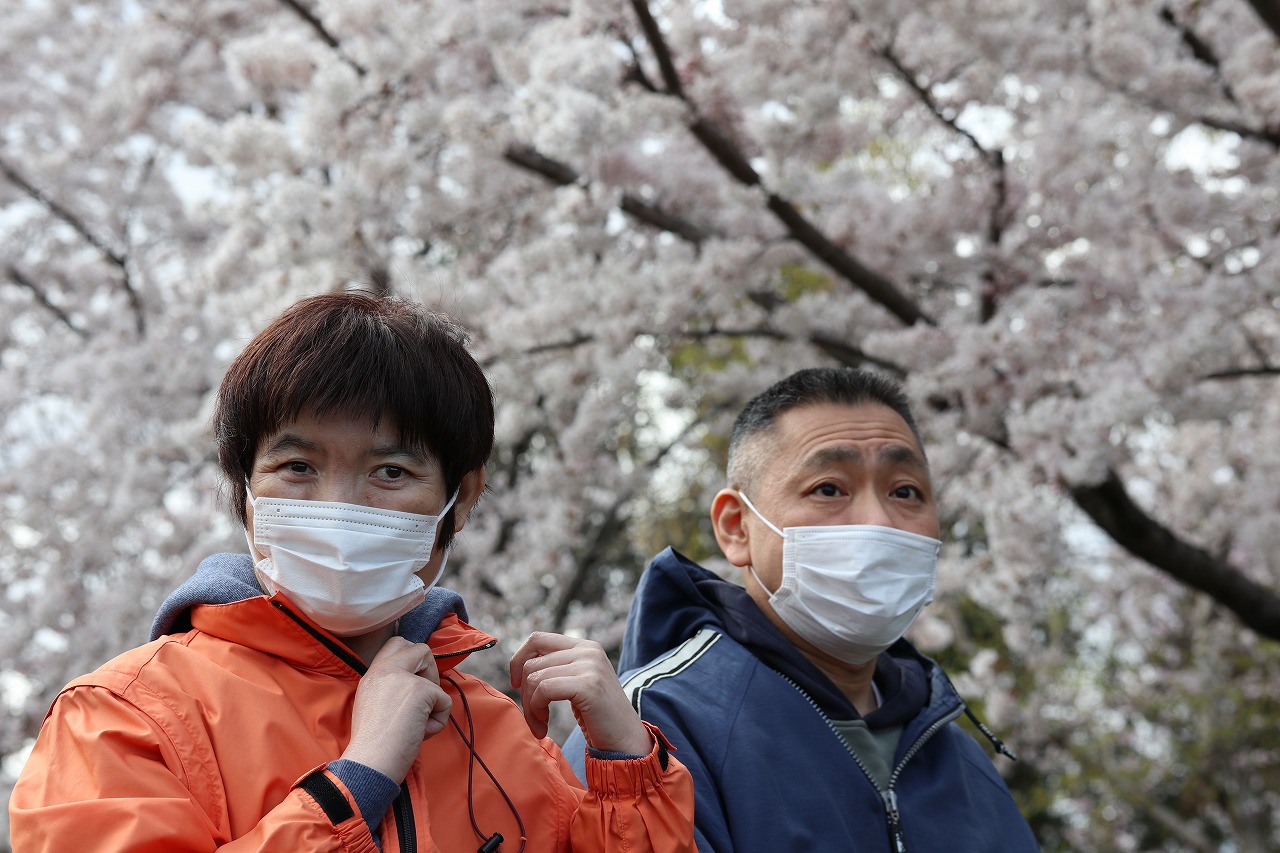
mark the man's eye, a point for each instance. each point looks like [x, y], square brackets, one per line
[828, 490]
[907, 492]
[298, 467]
[392, 472]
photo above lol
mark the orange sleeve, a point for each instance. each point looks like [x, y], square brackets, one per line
[105, 776]
[639, 804]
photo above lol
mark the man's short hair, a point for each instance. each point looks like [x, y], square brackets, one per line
[808, 387]
[361, 355]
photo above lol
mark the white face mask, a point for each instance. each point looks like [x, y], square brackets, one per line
[852, 590]
[350, 568]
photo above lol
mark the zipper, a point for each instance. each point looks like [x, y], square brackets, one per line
[338, 651]
[834, 731]
[405, 830]
[351, 660]
[897, 838]
[479, 648]
[897, 841]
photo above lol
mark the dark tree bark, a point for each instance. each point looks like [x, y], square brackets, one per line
[1110, 506]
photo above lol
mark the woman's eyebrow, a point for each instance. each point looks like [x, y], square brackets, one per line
[408, 451]
[290, 441]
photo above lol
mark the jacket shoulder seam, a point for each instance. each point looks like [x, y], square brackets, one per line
[128, 684]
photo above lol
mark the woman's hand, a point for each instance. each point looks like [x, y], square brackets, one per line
[399, 704]
[553, 667]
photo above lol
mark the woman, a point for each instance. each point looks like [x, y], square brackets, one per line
[306, 696]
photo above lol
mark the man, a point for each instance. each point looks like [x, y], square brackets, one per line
[808, 723]
[306, 696]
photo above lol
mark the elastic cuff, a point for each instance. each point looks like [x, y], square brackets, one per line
[613, 755]
[629, 775]
[610, 755]
[373, 791]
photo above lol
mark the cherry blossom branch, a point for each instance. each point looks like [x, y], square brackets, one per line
[117, 259]
[1269, 12]
[17, 277]
[1269, 135]
[614, 524]
[839, 350]
[1200, 49]
[538, 349]
[997, 217]
[1243, 372]
[1111, 508]
[876, 286]
[528, 157]
[317, 26]
[1203, 52]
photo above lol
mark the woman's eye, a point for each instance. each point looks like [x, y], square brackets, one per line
[298, 467]
[391, 472]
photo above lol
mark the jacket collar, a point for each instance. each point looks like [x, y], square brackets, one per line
[223, 599]
[676, 598]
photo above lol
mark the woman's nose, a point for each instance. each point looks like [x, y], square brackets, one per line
[338, 489]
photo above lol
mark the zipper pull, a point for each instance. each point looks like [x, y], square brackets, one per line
[897, 841]
[991, 736]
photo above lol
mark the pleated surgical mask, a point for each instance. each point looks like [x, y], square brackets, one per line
[852, 590]
[350, 568]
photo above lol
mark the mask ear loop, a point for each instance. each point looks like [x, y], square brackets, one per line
[449, 548]
[746, 500]
[248, 530]
[492, 842]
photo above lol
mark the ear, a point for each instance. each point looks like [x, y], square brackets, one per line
[469, 492]
[727, 519]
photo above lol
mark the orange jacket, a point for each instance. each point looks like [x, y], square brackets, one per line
[219, 738]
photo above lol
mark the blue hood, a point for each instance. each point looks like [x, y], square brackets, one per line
[228, 578]
[676, 598]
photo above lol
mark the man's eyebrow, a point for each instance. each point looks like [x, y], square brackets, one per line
[897, 454]
[904, 454]
[834, 455]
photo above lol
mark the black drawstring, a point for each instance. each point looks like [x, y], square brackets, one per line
[995, 741]
[492, 842]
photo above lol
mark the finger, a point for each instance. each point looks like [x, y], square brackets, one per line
[390, 649]
[539, 644]
[576, 659]
[427, 667]
[417, 658]
[536, 708]
[439, 717]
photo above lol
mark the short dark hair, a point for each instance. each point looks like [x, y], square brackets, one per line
[358, 354]
[808, 387]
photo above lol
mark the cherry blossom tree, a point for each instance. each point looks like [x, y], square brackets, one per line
[1056, 223]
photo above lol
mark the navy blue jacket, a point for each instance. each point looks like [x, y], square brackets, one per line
[751, 718]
